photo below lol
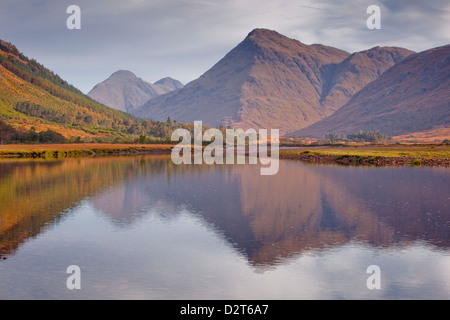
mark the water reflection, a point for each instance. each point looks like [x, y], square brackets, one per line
[267, 218]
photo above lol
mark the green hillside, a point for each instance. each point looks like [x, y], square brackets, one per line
[33, 100]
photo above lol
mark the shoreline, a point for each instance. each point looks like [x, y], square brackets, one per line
[388, 155]
[378, 161]
[403, 155]
[58, 151]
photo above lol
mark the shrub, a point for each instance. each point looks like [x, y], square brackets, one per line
[416, 162]
[50, 136]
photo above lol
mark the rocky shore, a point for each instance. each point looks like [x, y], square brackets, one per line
[372, 161]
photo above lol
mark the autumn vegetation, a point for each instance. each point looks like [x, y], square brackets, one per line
[36, 105]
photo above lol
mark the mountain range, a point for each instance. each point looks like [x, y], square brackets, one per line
[412, 96]
[267, 81]
[272, 81]
[124, 91]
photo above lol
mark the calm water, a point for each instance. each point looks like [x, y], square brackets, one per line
[143, 228]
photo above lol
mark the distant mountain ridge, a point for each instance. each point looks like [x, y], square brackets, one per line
[272, 81]
[124, 91]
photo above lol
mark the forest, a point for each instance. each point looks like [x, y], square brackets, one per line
[8, 135]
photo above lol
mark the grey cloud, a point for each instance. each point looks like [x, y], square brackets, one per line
[183, 38]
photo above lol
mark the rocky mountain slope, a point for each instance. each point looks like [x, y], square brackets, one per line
[412, 96]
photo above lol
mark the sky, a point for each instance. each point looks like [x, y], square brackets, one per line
[182, 39]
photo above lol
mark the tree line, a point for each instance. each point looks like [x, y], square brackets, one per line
[8, 135]
[362, 136]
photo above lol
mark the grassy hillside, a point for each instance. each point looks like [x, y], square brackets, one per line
[34, 98]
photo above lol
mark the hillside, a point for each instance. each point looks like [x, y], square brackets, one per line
[124, 91]
[356, 71]
[33, 100]
[437, 135]
[272, 81]
[412, 96]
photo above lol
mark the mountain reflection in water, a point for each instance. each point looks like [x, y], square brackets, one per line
[266, 218]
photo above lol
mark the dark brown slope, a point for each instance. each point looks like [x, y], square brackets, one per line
[267, 81]
[355, 72]
[413, 95]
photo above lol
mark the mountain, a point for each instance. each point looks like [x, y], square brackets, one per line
[36, 105]
[124, 91]
[412, 96]
[356, 71]
[271, 81]
[169, 83]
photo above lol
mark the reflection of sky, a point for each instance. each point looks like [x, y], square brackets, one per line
[182, 258]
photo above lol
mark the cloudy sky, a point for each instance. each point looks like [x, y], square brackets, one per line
[184, 38]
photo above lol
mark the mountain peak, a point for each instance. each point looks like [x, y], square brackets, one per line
[267, 81]
[124, 74]
[270, 38]
[169, 82]
[267, 42]
[263, 32]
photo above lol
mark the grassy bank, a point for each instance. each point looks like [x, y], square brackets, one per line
[417, 155]
[54, 151]
[425, 155]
